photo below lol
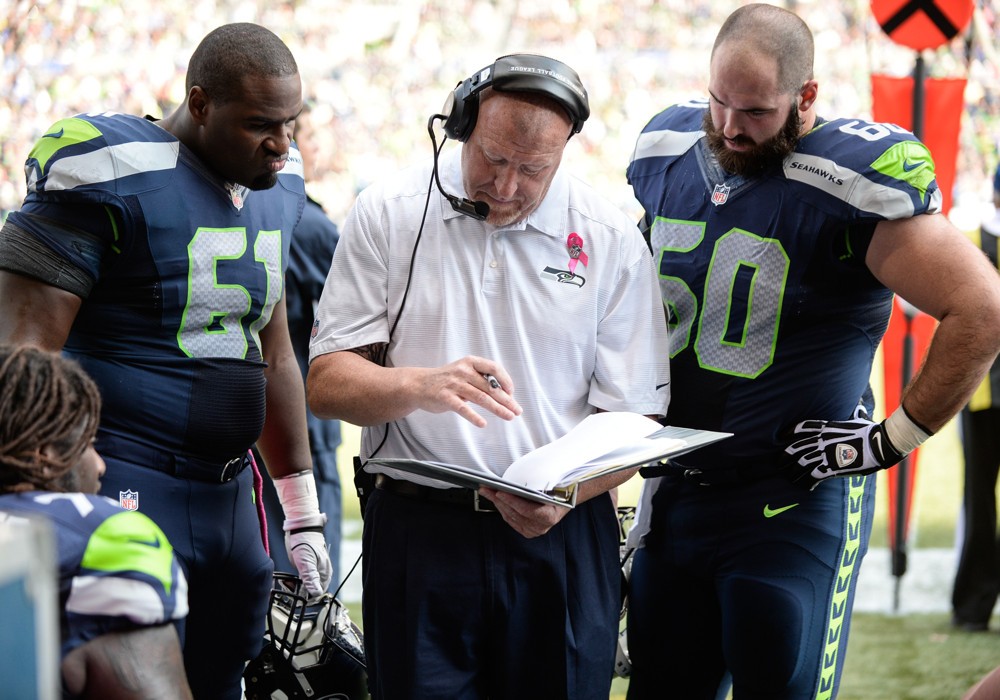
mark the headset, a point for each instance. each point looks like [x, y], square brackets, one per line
[516, 73]
[513, 73]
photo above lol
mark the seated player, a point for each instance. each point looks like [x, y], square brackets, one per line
[120, 585]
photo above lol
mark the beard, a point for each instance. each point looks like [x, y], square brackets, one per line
[760, 156]
[509, 213]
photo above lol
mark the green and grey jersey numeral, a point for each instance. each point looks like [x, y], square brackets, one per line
[213, 317]
[735, 339]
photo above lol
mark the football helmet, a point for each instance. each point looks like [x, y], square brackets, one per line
[311, 649]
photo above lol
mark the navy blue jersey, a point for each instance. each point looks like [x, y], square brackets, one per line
[770, 300]
[117, 571]
[313, 245]
[186, 271]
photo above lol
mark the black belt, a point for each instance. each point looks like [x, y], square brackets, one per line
[216, 472]
[462, 498]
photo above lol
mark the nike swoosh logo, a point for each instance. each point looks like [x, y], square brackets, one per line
[908, 166]
[155, 544]
[54, 134]
[660, 386]
[771, 512]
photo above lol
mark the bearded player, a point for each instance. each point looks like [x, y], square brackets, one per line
[780, 237]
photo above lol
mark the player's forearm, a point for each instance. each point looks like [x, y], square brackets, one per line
[931, 265]
[139, 664]
[284, 442]
[962, 350]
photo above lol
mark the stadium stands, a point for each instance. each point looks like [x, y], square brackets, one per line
[377, 69]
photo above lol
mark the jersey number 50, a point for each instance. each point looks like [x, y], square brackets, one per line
[740, 302]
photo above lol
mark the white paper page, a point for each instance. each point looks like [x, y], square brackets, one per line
[651, 447]
[595, 435]
[646, 450]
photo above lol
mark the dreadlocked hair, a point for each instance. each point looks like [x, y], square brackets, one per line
[46, 401]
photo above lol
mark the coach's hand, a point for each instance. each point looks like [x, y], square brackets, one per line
[842, 448]
[303, 528]
[529, 518]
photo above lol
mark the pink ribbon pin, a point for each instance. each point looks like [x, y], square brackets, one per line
[575, 245]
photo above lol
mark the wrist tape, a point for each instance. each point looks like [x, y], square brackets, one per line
[903, 432]
[297, 495]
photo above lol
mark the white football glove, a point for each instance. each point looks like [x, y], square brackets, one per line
[857, 446]
[304, 539]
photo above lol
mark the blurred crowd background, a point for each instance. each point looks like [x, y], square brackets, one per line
[376, 70]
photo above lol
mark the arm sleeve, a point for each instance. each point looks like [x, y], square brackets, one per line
[39, 242]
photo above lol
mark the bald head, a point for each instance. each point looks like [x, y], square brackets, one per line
[532, 114]
[759, 29]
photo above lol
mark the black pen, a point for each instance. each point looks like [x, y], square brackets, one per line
[492, 381]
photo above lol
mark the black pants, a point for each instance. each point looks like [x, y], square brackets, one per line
[458, 605]
[977, 581]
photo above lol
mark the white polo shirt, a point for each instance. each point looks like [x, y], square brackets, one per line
[571, 341]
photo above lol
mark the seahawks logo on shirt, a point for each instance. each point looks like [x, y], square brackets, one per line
[563, 276]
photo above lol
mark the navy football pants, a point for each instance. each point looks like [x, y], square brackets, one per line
[721, 586]
[215, 531]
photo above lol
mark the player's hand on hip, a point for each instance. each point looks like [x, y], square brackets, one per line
[470, 380]
[825, 449]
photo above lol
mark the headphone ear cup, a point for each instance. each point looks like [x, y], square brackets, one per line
[462, 115]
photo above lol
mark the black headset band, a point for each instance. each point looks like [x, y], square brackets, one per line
[518, 73]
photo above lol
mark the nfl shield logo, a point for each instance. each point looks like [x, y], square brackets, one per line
[235, 195]
[846, 455]
[720, 195]
[129, 500]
